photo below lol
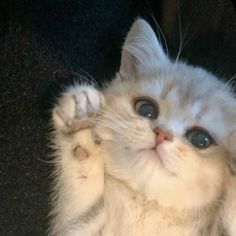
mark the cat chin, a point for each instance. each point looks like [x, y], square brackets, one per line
[158, 159]
[147, 173]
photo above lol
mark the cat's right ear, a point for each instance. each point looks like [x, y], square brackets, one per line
[142, 53]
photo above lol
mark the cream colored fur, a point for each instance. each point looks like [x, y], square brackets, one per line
[111, 181]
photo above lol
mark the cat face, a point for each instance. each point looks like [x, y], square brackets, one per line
[170, 125]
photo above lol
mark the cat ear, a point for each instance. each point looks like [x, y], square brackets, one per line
[142, 53]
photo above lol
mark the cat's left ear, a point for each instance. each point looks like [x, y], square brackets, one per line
[142, 53]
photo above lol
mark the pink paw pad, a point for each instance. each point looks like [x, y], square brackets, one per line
[80, 153]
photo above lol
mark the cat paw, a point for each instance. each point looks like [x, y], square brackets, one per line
[75, 107]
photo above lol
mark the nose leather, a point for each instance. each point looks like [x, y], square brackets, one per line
[162, 135]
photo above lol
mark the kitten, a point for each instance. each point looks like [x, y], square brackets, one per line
[151, 155]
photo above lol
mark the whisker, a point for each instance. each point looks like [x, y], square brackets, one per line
[182, 37]
[117, 117]
[114, 120]
[88, 78]
[159, 30]
[121, 124]
[116, 114]
[117, 129]
[231, 83]
[133, 137]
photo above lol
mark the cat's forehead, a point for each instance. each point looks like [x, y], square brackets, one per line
[190, 94]
[185, 85]
[188, 83]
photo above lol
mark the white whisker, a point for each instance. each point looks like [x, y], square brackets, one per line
[159, 30]
[231, 83]
[182, 42]
[134, 136]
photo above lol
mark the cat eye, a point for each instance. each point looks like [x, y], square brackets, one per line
[146, 108]
[199, 138]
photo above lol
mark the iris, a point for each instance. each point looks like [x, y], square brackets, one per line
[199, 138]
[146, 108]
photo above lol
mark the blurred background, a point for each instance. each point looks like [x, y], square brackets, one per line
[48, 44]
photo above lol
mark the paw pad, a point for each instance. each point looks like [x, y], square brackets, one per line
[80, 153]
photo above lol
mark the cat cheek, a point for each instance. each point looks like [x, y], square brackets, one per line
[232, 140]
[169, 159]
[232, 151]
[110, 95]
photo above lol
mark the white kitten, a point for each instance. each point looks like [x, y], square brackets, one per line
[158, 159]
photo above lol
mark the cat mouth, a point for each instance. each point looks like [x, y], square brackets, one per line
[153, 153]
[157, 154]
[159, 158]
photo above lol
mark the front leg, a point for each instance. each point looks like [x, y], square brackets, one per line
[79, 170]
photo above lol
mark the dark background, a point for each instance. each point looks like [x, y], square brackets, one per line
[47, 44]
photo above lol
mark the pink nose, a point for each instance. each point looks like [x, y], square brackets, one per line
[162, 135]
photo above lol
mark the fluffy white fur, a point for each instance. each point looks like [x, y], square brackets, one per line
[112, 179]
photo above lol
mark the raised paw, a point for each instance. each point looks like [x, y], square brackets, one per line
[75, 107]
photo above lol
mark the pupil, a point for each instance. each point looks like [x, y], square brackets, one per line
[146, 110]
[200, 140]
